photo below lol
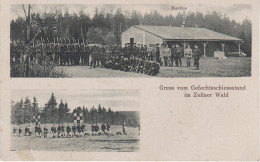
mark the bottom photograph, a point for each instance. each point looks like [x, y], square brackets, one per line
[75, 120]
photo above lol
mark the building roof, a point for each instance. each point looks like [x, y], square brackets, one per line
[186, 33]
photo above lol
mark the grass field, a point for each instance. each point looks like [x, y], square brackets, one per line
[116, 143]
[209, 67]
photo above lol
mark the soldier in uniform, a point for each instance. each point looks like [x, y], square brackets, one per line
[178, 54]
[59, 131]
[108, 128]
[53, 130]
[93, 129]
[45, 132]
[167, 55]
[20, 131]
[157, 53]
[196, 55]
[71, 54]
[145, 52]
[62, 130]
[188, 55]
[103, 127]
[96, 128]
[86, 56]
[62, 54]
[123, 125]
[40, 131]
[14, 131]
[172, 53]
[74, 129]
[68, 130]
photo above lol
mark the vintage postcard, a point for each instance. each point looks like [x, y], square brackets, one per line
[129, 80]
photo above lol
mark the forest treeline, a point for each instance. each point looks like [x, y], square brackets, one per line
[54, 112]
[106, 27]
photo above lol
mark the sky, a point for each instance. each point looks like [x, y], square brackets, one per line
[237, 12]
[117, 100]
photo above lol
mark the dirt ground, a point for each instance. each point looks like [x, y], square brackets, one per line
[103, 143]
[209, 67]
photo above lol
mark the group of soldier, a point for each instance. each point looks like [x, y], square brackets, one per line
[168, 56]
[136, 58]
[61, 131]
[131, 58]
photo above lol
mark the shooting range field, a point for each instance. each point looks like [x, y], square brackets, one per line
[209, 67]
[102, 143]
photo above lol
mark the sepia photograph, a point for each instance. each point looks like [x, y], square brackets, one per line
[75, 120]
[130, 40]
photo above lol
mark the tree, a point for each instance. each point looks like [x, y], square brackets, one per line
[110, 38]
[35, 106]
[95, 34]
[50, 111]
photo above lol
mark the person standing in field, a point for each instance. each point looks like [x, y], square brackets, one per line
[196, 55]
[14, 131]
[167, 55]
[20, 131]
[178, 54]
[188, 55]
[53, 130]
[172, 54]
[103, 127]
[45, 132]
[123, 125]
[68, 130]
[157, 53]
[108, 128]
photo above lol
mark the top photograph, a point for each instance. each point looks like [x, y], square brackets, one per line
[130, 40]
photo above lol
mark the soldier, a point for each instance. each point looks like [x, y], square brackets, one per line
[26, 132]
[125, 50]
[53, 130]
[196, 55]
[36, 131]
[172, 54]
[74, 130]
[77, 54]
[103, 127]
[59, 131]
[30, 130]
[20, 131]
[102, 56]
[145, 52]
[94, 54]
[62, 130]
[62, 54]
[167, 55]
[123, 125]
[93, 129]
[71, 54]
[108, 128]
[45, 132]
[86, 56]
[14, 131]
[83, 129]
[40, 131]
[96, 128]
[178, 54]
[68, 130]
[66, 54]
[188, 55]
[78, 130]
[157, 53]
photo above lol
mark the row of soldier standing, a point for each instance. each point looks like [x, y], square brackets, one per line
[70, 131]
[168, 56]
[96, 55]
